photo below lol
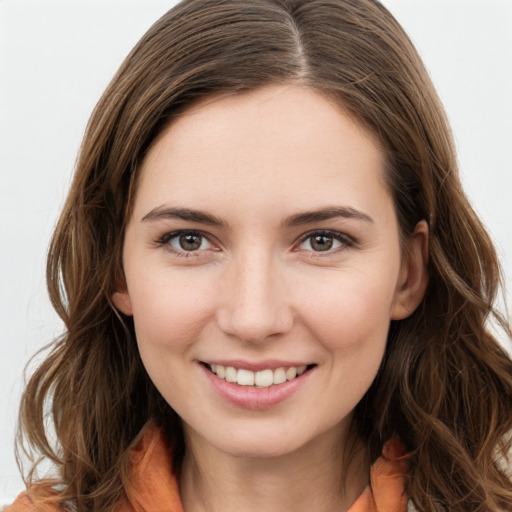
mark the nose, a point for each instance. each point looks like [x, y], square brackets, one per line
[254, 302]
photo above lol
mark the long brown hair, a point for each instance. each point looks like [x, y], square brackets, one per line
[445, 385]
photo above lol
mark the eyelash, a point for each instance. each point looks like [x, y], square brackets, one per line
[345, 241]
[168, 237]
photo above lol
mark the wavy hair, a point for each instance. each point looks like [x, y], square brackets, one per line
[445, 384]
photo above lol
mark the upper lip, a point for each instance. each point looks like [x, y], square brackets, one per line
[256, 366]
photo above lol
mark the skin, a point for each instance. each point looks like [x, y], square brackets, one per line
[257, 289]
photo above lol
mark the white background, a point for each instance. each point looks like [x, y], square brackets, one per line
[57, 57]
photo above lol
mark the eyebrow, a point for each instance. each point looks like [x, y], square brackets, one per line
[330, 212]
[297, 219]
[160, 212]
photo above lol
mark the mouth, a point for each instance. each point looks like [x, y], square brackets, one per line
[262, 379]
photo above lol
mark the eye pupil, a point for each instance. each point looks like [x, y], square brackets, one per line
[190, 242]
[321, 242]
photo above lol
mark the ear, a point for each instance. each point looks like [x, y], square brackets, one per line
[121, 299]
[413, 278]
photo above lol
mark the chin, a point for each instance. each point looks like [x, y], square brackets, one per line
[271, 441]
[253, 443]
[263, 448]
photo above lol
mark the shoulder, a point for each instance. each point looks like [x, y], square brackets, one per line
[21, 504]
[41, 498]
[151, 481]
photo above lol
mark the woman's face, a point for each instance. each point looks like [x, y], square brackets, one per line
[263, 266]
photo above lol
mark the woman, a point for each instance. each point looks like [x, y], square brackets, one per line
[274, 288]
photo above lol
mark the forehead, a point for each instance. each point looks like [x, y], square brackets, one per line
[280, 143]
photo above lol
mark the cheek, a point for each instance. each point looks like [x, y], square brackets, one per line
[169, 310]
[352, 325]
[354, 316]
[169, 313]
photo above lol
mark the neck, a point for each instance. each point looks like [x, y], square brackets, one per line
[313, 477]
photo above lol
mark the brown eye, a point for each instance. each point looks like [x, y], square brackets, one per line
[325, 241]
[321, 242]
[190, 242]
[182, 242]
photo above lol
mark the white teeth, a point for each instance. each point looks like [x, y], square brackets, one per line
[291, 373]
[261, 379]
[279, 376]
[245, 378]
[231, 374]
[264, 378]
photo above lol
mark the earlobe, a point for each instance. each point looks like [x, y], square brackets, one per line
[121, 300]
[413, 279]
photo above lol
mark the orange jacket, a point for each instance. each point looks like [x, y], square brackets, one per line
[153, 486]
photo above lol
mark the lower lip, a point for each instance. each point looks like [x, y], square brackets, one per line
[252, 398]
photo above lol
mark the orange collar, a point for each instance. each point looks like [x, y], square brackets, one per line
[154, 487]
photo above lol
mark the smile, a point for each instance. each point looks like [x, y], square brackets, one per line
[259, 379]
[263, 386]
